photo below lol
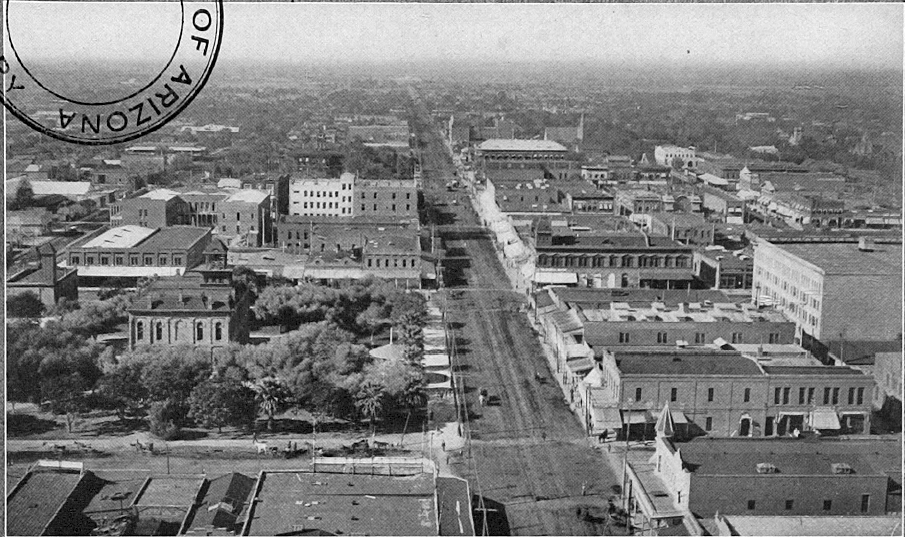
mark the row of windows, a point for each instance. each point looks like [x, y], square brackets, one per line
[317, 193]
[699, 337]
[806, 396]
[404, 263]
[613, 261]
[158, 331]
[134, 260]
[408, 195]
[321, 205]
[408, 207]
[239, 229]
[203, 206]
[827, 504]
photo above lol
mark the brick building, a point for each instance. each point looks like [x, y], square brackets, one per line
[386, 198]
[349, 196]
[133, 252]
[246, 215]
[44, 278]
[195, 309]
[727, 393]
[154, 209]
[574, 256]
[687, 228]
[772, 477]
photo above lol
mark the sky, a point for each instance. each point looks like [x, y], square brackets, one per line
[817, 35]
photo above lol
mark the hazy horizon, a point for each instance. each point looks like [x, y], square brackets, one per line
[669, 37]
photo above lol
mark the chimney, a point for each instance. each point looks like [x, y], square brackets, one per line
[866, 244]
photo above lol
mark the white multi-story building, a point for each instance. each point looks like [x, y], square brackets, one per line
[664, 155]
[833, 291]
[321, 196]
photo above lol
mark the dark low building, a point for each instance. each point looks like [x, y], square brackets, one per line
[44, 278]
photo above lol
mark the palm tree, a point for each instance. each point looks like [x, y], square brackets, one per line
[272, 397]
[370, 402]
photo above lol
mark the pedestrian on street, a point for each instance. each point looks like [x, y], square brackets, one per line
[584, 488]
[543, 435]
[443, 445]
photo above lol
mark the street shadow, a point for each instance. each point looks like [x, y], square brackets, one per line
[493, 513]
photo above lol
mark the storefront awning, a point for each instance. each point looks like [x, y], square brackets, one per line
[635, 416]
[825, 418]
[605, 418]
[580, 365]
[544, 277]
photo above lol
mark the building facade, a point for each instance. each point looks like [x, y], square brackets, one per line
[322, 197]
[190, 310]
[833, 290]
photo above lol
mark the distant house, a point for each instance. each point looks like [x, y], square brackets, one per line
[28, 223]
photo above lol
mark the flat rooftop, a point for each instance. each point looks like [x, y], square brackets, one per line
[520, 145]
[670, 297]
[847, 259]
[160, 194]
[800, 526]
[810, 370]
[790, 456]
[680, 219]
[302, 503]
[120, 237]
[690, 312]
[681, 363]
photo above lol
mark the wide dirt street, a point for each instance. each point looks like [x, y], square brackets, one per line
[530, 457]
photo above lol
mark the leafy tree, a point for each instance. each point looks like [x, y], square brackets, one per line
[123, 389]
[372, 319]
[97, 317]
[24, 198]
[65, 394]
[64, 306]
[172, 372]
[219, 402]
[245, 279]
[25, 304]
[165, 419]
[37, 357]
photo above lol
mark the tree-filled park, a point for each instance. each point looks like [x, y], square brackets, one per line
[319, 369]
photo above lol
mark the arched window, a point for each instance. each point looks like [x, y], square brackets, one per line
[158, 332]
[624, 280]
[218, 331]
[140, 330]
[199, 332]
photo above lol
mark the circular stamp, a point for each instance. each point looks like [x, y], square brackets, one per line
[89, 112]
